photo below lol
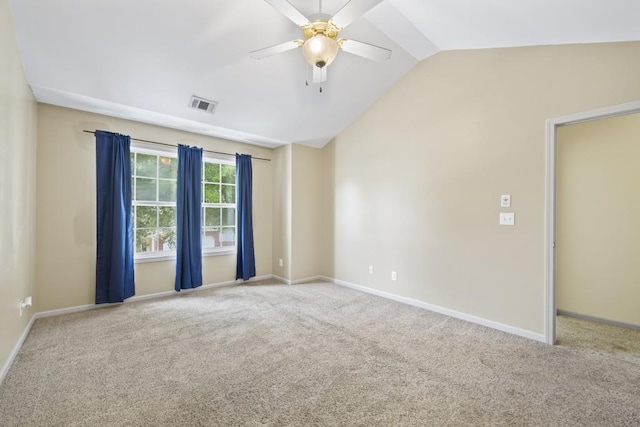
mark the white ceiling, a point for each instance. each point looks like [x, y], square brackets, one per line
[142, 60]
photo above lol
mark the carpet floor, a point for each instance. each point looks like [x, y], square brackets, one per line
[622, 343]
[315, 354]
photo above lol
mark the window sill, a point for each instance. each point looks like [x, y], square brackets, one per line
[218, 252]
[154, 258]
[172, 256]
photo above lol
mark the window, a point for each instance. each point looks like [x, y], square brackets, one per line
[154, 177]
[219, 204]
[154, 184]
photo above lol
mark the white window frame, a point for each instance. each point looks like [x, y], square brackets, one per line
[157, 255]
[224, 250]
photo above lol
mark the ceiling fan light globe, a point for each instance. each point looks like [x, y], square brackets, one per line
[320, 50]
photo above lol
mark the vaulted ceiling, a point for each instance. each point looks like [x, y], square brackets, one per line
[144, 59]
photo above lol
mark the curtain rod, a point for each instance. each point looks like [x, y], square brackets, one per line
[175, 146]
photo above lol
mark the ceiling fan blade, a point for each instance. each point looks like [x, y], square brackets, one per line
[352, 11]
[274, 50]
[284, 7]
[319, 74]
[369, 51]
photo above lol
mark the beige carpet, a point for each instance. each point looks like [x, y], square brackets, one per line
[620, 342]
[313, 354]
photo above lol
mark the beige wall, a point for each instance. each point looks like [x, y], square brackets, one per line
[598, 209]
[418, 177]
[328, 209]
[299, 212]
[282, 164]
[307, 212]
[17, 189]
[66, 207]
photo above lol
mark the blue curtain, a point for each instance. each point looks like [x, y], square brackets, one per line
[246, 262]
[188, 218]
[114, 263]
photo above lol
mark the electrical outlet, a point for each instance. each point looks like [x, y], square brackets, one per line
[394, 275]
[371, 269]
[281, 262]
[507, 218]
[25, 303]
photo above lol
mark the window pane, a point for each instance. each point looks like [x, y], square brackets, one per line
[228, 174]
[167, 239]
[228, 236]
[168, 168]
[212, 216]
[167, 190]
[212, 193]
[228, 216]
[146, 189]
[146, 165]
[146, 216]
[133, 163]
[167, 216]
[228, 194]
[146, 240]
[211, 237]
[211, 172]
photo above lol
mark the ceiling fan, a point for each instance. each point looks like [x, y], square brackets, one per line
[321, 43]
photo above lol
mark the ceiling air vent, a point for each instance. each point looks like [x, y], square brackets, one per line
[203, 104]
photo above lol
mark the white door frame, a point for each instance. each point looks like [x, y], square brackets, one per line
[550, 205]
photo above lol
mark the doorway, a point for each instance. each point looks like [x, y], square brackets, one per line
[551, 201]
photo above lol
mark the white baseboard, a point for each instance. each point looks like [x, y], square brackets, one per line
[16, 349]
[590, 318]
[86, 307]
[282, 279]
[309, 279]
[303, 280]
[240, 281]
[67, 310]
[447, 312]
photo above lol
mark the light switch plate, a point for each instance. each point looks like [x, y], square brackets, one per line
[507, 218]
[505, 201]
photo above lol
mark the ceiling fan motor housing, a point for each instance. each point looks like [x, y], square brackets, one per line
[321, 25]
[320, 47]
